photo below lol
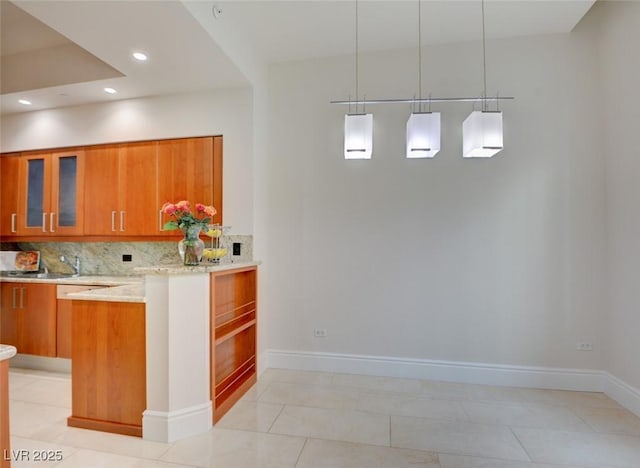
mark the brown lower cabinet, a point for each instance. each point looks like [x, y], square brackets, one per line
[28, 317]
[233, 336]
[108, 364]
[63, 329]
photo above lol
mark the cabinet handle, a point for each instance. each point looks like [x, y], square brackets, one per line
[122, 221]
[51, 215]
[13, 222]
[22, 298]
[113, 221]
[160, 220]
[44, 222]
[13, 298]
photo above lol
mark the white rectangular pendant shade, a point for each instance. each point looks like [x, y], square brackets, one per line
[482, 134]
[358, 136]
[423, 135]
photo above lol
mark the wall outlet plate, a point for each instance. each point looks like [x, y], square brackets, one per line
[320, 332]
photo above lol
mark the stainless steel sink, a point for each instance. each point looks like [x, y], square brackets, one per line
[54, 275]
[33, 275]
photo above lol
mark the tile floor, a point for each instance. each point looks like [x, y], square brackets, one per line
[314, 419]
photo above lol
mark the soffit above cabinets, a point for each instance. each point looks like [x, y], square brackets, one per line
[35, 56]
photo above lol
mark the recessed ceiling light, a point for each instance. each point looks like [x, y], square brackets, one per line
[25, 102]
[140, 56]
[110, 90]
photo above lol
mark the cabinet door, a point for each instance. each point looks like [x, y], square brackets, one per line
[101, 190]
[37, 320]
[185, 172]
[35, 194]
[9, 180]
[137, 215]
[50, 201]
[67, 197]
[63, 332]
[28, 317]
[9, 310]
[108, 365]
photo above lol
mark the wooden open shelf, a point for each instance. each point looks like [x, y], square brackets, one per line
[233, 336]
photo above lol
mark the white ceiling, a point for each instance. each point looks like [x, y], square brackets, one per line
[184, 57]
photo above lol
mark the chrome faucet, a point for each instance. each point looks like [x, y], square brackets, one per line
[75, 265]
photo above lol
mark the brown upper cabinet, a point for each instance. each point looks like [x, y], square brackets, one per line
[187, 170]
[9, 178]
[50, 199]
[107, 192]
[120, 190]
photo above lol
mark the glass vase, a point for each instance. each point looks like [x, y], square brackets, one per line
[191, 247]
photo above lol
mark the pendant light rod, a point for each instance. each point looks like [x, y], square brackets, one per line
[484, 63]
[357, 64]
[426, 100]
[419, 54]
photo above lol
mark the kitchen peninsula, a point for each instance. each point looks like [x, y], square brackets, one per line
[187, 345]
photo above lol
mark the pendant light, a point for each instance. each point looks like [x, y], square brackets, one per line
[482, 130]
[423, 128]
[358, 127]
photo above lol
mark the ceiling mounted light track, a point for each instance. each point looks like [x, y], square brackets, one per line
[425, 100]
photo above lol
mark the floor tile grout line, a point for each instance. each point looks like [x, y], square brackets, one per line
[300, 454]
[467, 420]
[171, 445]
[181, 465]
[275, 419]
[524, 449]
[30, 402]
[593, 429]
[331, 386]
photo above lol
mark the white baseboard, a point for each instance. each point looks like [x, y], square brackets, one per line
[585, 380]
[168, 427]
[49, 364]
[623, 393]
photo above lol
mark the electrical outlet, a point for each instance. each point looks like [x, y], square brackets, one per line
[320, 332]
[127, 257]
[237, 248]
[584, 346]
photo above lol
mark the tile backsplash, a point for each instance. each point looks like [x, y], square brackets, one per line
[106, 258]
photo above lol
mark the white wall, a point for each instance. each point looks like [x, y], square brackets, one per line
[495, 260]
[618, 103]
[227, 113]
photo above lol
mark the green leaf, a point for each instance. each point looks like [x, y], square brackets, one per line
[170, 226]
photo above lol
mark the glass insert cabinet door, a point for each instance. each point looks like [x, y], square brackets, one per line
[52, 195]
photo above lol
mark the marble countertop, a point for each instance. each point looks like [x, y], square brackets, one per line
[100, 280]
[126, 288]
[179, 269]
[123, 293]
[7, 352]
